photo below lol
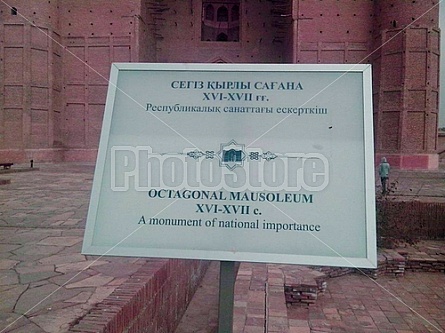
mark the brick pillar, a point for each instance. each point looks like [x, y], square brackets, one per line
[30, 83]
[406, 82]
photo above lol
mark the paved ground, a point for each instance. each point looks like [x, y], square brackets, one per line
[418, 185]
[353, 303]
[45, 283]
[356, 303]
[202, 313]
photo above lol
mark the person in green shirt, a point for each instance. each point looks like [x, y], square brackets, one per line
[384, 168]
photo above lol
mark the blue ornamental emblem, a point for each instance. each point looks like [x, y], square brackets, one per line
[232, 155]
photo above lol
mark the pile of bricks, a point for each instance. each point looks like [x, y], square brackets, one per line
[427, 258]
[374, 272]
[300, 293]
[394, 264]
[334, 271]
[426, 264]
[303, 285]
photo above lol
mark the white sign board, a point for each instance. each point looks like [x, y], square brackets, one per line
[262, 163]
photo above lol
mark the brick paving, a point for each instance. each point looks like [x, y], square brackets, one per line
[410, 303]
[356, 303]
[46, 284]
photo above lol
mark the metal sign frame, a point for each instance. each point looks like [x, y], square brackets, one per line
[104, 238]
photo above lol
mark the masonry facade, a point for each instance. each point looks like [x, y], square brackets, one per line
[55, 58]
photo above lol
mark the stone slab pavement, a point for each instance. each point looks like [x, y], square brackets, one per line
[45, 283]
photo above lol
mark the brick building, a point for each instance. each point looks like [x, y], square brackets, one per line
[55, 56]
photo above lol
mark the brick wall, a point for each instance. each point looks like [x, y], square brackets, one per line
[406, 82]
[95, 33]
[55, 62]
[52, 96]
[334, 32]
[153, 300]
[413, 219]
[30, 87]
[179, 35]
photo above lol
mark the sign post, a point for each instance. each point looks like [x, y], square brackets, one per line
[227, 277]
[236, 162]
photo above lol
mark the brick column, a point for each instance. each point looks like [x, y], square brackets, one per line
[406, 83]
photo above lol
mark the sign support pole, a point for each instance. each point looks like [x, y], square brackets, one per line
[226, 296]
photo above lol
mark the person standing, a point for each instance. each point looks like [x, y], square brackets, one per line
[384, 168]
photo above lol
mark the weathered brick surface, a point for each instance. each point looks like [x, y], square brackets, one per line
[406, 83]
[259, 299]
[303, 284]
[262, 291]
[152, 300]
[415, 219]
[56, 55]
